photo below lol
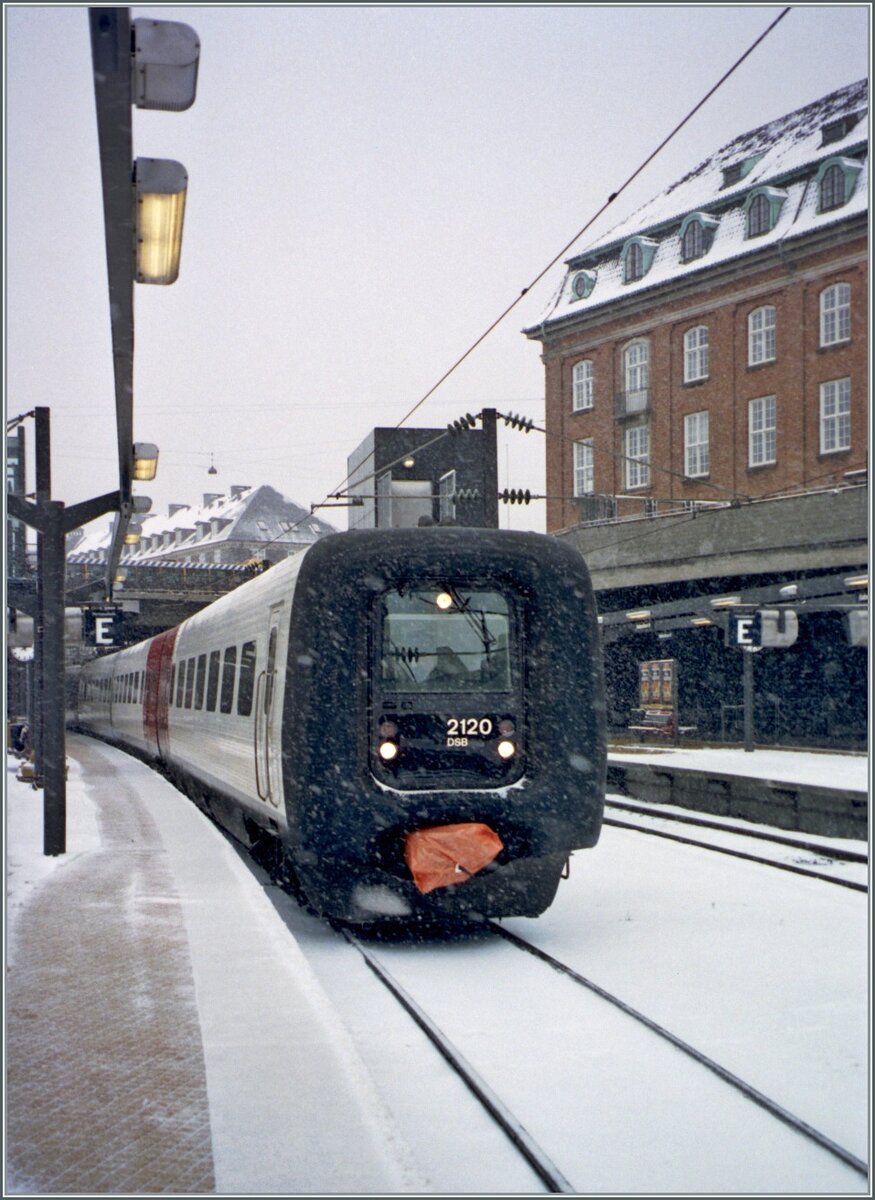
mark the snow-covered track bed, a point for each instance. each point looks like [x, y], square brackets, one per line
[829, 859]
[577, 1107]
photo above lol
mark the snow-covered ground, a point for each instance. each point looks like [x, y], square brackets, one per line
[850, 771]
[769, 974]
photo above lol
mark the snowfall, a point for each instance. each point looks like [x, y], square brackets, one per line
[673, 949]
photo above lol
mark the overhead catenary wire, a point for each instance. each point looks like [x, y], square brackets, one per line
[553, 261]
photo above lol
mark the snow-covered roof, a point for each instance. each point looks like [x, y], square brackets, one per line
[780, 158]
[252, 515]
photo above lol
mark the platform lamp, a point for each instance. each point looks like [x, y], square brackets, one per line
[145, 462]
[160, 186]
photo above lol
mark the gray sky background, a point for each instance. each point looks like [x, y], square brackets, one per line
[369, 187]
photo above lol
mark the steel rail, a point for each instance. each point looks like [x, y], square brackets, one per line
[518, 1135]
[770, 1106]
[779, 839]
[756, 858]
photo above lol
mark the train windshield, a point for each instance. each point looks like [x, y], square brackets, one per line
[446, 640]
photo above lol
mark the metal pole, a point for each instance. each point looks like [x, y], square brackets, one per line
[43, 464]
[54, 696]
[747, 658]
[490, 469]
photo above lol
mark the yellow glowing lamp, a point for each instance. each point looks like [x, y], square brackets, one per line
[160, 186]
[145, 462]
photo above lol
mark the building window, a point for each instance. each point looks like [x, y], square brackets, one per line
[582, 385]
[758, 217]
[697, 458]
[835, 416]
[582, 284]
[584, 482]
[836, 181]
[696, 354]
[634, 263]
[636, 375]
[761, 335]
[832, 188]
[835, 314]
[693, 245]
[636, 257]
[636, 450]
[762, 431]
[447, 496]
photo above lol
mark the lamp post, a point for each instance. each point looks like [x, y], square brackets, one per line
[154, 68]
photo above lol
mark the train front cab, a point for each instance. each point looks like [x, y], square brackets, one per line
[437, 677]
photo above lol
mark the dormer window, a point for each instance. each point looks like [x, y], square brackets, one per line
[696, 235]
[834, 131]
[582, 284]
[739, 170]
[763, 207]
[836, 180]
[636, 257]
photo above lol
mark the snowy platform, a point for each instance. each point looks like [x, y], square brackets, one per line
[164, 1031]
[820, 793]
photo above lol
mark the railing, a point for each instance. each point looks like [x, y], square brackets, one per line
[631, 404]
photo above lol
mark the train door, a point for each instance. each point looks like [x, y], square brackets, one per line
[268, 717]
[156, 699]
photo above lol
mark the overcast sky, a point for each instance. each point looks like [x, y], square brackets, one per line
[369, 188]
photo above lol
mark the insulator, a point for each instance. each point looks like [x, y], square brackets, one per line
[515, 496]
[517, 422]
[463, 423]
[464, 494]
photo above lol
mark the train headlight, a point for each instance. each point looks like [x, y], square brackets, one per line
[444, 601]
[506, 749]
[388, 751]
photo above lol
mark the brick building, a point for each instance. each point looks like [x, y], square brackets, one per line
[706, 370]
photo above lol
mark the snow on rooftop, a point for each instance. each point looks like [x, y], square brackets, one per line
[784, 154]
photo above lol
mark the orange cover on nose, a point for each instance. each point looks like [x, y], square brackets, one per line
[447, 854]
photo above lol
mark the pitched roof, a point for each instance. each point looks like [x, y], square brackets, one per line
[783, 154]
[246, 515]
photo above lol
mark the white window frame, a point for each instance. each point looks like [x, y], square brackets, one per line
[835, 314]
[762, 416]
[581, 385]
[697, 452]
[636, 374]
[696, 354]
[636, 456]
[584, 473]
[446, 492]
[835, 416]
[761, 336]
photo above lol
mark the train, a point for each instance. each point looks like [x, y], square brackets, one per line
[409, 724]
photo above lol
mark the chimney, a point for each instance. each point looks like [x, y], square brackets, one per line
[172, 509]
[209, 497]
[238, 490]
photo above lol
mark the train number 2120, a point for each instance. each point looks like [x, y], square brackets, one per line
[469, 727]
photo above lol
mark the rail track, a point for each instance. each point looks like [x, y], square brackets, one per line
[782, 842]
[502, 1112]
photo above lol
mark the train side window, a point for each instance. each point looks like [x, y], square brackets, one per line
[201, 681]
[229, 670]
[213, 681]
[189, 682]
[180, 684]
[173, 684]
[247, 679]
